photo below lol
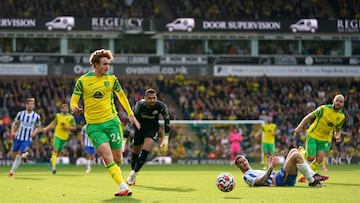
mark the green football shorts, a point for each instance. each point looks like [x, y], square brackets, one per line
[314, 145]
[268, 148]
[59, 143]
[110, 131]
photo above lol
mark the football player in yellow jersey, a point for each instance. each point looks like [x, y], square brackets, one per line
[268, 140]
[63, 123]
[328, 121]
[97, 89]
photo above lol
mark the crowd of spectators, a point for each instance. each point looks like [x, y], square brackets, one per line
[255, 9]
[77, 8]
[345, 9]
[267, 9]
[287, 100]
[195, 99]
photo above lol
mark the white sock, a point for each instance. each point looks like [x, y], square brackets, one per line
[16, 163]
[24, 155]
[305, 169]
[88, 164]
[133, 173]
[123, 185]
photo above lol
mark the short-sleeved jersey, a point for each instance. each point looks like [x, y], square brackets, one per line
[98, 96]
[27, 123]
[269, 130]
[149, 117]
[326, 121]
[63, 120]
[87, 142]
[251, 175]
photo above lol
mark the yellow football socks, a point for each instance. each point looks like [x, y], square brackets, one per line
[314, 165]
[53, 160]
[265, 161]
[115, 172]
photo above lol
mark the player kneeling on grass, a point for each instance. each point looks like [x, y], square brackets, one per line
[294, 162]
[147, 112]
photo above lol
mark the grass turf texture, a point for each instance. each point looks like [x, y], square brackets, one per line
[167, 183]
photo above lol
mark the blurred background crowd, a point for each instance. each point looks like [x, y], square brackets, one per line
[231, 98]
[197, 99]
[269, 9]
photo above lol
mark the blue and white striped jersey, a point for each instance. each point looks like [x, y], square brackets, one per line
[27, 123]
[251, 175]
[87, 141]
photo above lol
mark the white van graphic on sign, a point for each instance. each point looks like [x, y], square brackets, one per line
[307, 25]
[187, 24]
[61, 22]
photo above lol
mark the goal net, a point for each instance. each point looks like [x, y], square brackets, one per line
[209, 139]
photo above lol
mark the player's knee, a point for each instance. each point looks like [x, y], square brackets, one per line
[118, 160]
[294, 150]
[319, 159]
[311, 158]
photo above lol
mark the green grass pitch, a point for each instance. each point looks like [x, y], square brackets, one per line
[167, 183]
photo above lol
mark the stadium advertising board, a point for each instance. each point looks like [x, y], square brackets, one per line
[285, 60]
[139, 25]
[189, 70]
[311, 25]
[71, 23]
[187, 60]
[23, 69]
[286, 71]
[331, 160]
[71, 69]
[191, 65]
[133, 69]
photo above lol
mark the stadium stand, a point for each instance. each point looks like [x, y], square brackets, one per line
[82, 8]
[191, 98]
[203, 99]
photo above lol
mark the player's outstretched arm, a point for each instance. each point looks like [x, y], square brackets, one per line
[74, 105]
[303, 122]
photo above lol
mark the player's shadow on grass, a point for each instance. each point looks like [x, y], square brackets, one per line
[344, 184]
[122, 199]
[68, 175]
[176, 189]
[29, 178]
[232, 198]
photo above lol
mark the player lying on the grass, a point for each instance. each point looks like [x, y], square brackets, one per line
[294, 162]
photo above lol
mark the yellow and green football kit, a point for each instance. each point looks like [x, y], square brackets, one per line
[320, 132]
[103, 125]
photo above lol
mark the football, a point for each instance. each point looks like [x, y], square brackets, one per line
[225, 182]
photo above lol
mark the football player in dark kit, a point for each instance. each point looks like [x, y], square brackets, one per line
[147, 112]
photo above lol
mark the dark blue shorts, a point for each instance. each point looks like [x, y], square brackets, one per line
[284, 179]
[20, 145]
[90, 150]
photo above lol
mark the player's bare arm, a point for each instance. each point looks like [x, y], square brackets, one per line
[14, 128]
[76, 110]
[274, 161]
[49, 127]
[134, 121]
[337, 135]
[303, 122]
